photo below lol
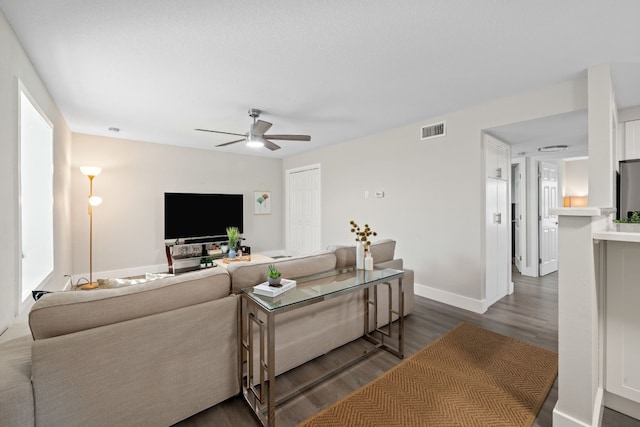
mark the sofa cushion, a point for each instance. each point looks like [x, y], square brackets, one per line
[246, 274]
[62, 313]
[381, 251]
[16, 394]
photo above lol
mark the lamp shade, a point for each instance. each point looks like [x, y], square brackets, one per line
[575, 201]
[90, 170]
[95, 200]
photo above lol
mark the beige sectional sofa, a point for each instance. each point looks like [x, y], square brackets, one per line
[158, 352]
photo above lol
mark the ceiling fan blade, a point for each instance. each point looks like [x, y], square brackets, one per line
[270, 145]
[225, 133]
[289, 137]
[229, 143]
[260, 127]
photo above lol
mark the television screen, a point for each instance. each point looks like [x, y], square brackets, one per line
[196, 215]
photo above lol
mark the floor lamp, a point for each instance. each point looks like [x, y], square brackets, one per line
[91, 172]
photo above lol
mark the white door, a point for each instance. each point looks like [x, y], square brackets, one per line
[548, 224]
[517, 216]
[303, 210]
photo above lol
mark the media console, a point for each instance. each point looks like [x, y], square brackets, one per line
[182, 249]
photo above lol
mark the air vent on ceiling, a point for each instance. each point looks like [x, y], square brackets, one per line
[433, 131]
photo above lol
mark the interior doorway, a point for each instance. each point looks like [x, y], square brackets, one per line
[555, 138]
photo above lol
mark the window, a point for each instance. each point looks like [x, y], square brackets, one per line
[36, 195]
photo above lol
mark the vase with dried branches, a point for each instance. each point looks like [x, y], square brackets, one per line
[363, 243]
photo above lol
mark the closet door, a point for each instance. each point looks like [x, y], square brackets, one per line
[497, 220]
[303, 210]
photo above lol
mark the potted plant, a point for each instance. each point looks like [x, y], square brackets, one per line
[203, 263]
[233, 235]
[274, 276]
[209, 262]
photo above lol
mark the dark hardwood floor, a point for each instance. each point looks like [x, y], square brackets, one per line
[530, 314]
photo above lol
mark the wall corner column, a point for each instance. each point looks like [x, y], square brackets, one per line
[580, 308]
[601, 113]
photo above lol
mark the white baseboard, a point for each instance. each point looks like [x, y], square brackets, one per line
[450, 298]
[561, 419]
[623, 405]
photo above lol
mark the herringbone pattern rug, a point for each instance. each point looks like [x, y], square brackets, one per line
[468, 377]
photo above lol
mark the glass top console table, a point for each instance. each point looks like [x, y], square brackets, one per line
[258, 320]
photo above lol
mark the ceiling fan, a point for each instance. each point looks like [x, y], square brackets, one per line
[256, 136]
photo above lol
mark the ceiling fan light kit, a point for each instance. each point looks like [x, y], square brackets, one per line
[553, 148]
[254, 142]
[256, 137]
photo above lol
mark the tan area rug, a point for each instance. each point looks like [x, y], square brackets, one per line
[468, 377]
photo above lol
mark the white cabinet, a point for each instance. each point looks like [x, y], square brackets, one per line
[497, 158]
[497, 240]
[497, 220]
[623, 320]
[632, 140]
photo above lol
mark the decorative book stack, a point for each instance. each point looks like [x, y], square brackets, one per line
[272, 291]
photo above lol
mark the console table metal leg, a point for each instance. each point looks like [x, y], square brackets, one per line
[261, 396]
[271, 369]
[401, 317]
[371, 304]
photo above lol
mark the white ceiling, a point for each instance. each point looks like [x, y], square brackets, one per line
[333, 69]
[570, 129]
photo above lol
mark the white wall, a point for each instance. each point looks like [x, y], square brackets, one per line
[14, 65]
[434, 197]
[129, 224]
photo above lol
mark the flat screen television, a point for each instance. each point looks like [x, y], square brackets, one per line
[193, 216]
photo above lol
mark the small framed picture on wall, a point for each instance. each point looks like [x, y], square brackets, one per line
[262, 202]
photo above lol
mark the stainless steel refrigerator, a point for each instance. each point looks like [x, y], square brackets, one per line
[629, 188]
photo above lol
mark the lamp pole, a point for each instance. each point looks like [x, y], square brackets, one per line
[91, 230]
[91, 172]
